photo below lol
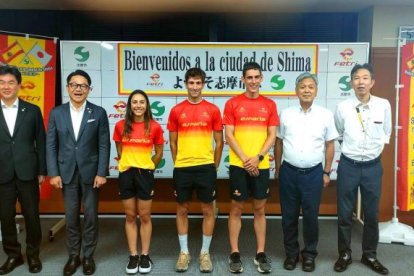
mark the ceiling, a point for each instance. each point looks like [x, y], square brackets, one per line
[274, 6]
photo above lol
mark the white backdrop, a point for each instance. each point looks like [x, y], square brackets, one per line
[105, 61]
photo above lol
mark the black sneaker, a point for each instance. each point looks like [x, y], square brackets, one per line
[145, 264]
[132, 266]
[235, 264]
[263, 263]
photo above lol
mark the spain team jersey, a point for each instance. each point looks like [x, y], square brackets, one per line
[194, 124]
[137, 149]
[250, 118]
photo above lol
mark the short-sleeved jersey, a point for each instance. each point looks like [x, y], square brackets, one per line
[251, 119]
[137, 149]
[194, 124]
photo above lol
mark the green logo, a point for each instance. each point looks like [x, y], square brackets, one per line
[345, 83]
[157, 109]
[161, 164]
[227, 160]
[81, 54]
[277, 83]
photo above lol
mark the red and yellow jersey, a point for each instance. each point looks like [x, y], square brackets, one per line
[137, 149]
[194, 124]
[250, 118]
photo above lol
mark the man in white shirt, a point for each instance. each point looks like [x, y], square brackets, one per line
[306, 141]
[364, 126]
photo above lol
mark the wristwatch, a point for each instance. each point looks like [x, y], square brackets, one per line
[261, 157]
[327, 173]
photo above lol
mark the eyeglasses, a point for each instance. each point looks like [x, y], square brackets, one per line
[74, 86]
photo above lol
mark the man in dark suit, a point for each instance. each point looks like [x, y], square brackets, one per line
[77, 153]
[22, 169]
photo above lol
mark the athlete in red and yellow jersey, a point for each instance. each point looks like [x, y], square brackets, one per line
[193, 124]
[135, 137]
[251, 122]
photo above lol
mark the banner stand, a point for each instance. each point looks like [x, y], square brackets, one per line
[394, 231]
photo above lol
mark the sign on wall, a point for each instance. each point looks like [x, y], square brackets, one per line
[117, 68]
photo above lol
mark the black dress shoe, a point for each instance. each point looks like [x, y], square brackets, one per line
[71, 265]
[88, 266]
[375, 265]
[308, 264]
[10, 264]
[290, 263]
[35, 265]
[342, 263]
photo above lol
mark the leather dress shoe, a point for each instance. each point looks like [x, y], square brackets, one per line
[71, 265]
[342, 263]
[35, 265]
[88, 266]
[290, 263]
[10, 264]
[375, 265]
[308, 264]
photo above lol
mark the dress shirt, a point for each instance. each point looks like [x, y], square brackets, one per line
[76, 115]
[10, 114]
[363, 128]
[304, 134]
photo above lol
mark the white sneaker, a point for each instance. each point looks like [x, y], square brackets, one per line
[206, 265]
[182, 262]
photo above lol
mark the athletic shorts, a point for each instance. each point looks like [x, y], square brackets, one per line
[243, 185]
[200, 178]
[136, 182]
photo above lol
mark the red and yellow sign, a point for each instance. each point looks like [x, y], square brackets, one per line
[405, 160]
[36, 60]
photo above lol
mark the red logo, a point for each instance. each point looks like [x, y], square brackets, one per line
[120, 108]
[347, 55]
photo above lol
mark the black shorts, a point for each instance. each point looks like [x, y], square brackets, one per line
[200, 178]
[136, 182]
[242, 185]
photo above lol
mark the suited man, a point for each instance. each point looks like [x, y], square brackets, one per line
[77, 154]
[22, 169]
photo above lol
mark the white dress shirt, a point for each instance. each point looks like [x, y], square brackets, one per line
[304, 134]
[363, 128]
[76, 115]
[10, 114]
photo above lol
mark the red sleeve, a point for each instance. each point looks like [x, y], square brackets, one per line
[217, 123]
[119, 128]
[158, 134]
[274, 117]
[228, 114]
[172, 124]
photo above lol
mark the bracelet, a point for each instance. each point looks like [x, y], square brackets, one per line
[327, 173]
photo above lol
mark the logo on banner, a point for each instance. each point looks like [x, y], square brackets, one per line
[155, 80]
[347, 56]
[410, 66]
[157, 109]
[344, 84]
[36, 58]
[160, 166]
[277, 83]
[81, 54]
[120, 108]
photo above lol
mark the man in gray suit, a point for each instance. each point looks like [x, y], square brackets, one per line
[77, 155]
[22, 169]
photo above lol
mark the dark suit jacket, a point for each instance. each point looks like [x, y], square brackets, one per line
[23, 153]
[90, 152]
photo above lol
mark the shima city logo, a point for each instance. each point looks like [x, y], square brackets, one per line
[33, 56]
[120, 108]
[155, 80]
[81, 54]
[344, 84]
[277, 82]
[158, 110]
[346, 58]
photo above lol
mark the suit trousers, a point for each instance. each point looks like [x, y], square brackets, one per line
[367, 176]
[27, 192]
[75, 194]
[300, 188]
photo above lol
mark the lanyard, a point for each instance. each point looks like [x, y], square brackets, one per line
[360, 118]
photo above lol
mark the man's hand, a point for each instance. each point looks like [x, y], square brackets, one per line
[251, 165]
[56, 182]
[326, 180]
[99, 181]
[41, 179]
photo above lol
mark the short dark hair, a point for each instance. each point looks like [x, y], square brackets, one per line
[12, 70]
[194, 73]
[365, 66]
[251, 66]
[79, 73]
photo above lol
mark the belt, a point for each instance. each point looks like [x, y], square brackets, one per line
[301, 170]
[360, 163]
